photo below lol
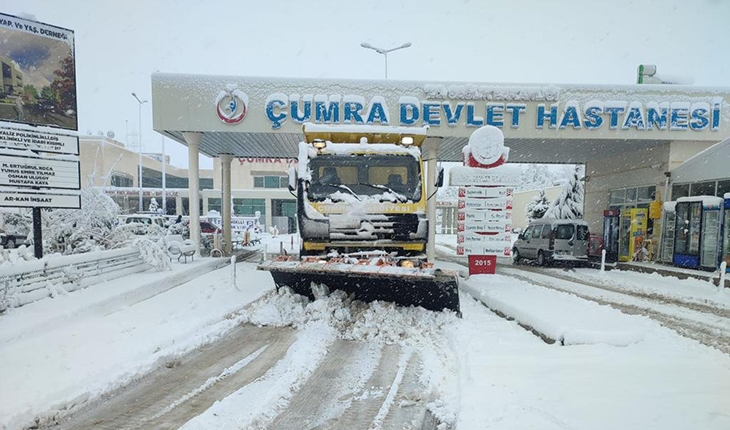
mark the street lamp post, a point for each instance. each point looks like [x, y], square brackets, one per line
[385, 52]
[141, 102]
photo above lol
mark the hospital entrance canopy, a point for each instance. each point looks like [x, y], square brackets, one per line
[263, 117]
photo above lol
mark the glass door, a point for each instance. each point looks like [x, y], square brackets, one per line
[695, 228]
[668, 237]
[682, 228]
[625, 237]
[710, 238]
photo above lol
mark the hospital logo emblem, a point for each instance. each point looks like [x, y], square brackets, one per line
[231, 105]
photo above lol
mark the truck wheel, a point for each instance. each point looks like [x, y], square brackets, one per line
[516, 256]
[540, 258]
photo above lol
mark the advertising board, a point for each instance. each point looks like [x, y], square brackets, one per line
[39, 73]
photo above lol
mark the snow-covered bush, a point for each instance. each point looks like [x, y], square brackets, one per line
[73, 231]
[537, 206]
[181, 228]
[16, 223]
[569, 204]
[152, 253]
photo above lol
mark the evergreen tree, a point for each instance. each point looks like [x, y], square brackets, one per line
[569, 205]
[537, 207]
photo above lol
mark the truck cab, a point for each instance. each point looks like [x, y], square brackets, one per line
[362, 190]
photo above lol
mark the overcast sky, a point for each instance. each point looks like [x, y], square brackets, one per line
[120, 43]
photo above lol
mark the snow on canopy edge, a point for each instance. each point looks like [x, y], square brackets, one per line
[705, 200]
[365, 129]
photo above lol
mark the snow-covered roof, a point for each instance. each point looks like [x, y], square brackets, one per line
[707, 165]
[706, 200]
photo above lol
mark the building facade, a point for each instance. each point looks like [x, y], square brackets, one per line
[258, 185]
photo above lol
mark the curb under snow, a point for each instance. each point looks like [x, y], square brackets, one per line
[553, 315]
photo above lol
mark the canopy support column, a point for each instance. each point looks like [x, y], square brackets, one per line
[226, 203]
[430, 147]
[193, 141]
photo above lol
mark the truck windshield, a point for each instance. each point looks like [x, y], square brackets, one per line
[394, 178]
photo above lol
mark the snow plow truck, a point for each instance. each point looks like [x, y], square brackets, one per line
[361, 212]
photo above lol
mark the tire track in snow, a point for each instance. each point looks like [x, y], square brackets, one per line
[187, 386]
[691, 325]
[654, 297]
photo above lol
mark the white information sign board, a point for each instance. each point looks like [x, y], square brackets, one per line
[44, 141]
[32, 200]
[472, 192]
[505, 175]
[484, 215]
[480, 203]
[485, 226]
[483, 249]
[39, 172]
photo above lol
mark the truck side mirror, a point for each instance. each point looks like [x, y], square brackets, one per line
[292, 179]
[440, 180]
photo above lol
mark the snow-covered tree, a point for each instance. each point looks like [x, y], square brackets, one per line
[153, 205]
[73, 231]
[569, 205]
[537, 207]
[448, 193]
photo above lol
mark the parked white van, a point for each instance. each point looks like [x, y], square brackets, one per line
[549, 240]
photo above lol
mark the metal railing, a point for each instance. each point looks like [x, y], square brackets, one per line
[35, 280]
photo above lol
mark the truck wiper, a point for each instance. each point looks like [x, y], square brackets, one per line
[401, 198]
[342, 187]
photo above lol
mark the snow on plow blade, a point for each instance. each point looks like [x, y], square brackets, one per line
[430, 288]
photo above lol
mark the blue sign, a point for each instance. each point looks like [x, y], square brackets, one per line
[593, 115]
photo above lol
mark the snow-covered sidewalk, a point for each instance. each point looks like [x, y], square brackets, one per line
[560, 317]
[100, 299]
[95, 352]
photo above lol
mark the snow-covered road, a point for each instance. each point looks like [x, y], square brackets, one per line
[208, 355]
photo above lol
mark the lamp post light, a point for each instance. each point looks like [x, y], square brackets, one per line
[385, 52]
[141, 102]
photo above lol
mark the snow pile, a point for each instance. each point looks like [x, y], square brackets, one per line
[352, 319]
[559, 316]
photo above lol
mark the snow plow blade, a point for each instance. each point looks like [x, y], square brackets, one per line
[430, 288]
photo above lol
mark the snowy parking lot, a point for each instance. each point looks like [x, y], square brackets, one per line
[266, 355]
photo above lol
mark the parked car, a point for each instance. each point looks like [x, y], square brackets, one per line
[145, 222]
[208, 228]
[550, 240]
[10, 241]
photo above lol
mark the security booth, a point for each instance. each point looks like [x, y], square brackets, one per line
[696, 239]
[632, 232]
[667, 238]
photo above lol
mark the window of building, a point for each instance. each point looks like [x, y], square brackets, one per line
[680, 190]
[723, 187]
[270, 181]
[121, 180]
[631, 197]
[249, 207]
[215, 205]
[617, 197]
[702, 189]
